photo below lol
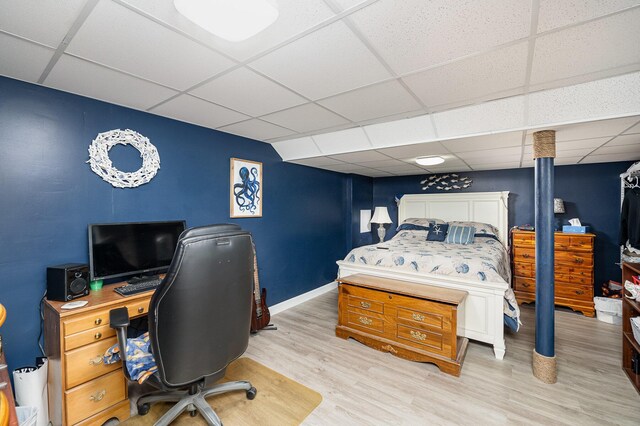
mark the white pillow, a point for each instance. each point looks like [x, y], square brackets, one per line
[420, 221]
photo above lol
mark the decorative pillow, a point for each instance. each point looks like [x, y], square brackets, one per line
[460, 234]
[412, 227]
[482, 229]
[424, 222]
[438, 232]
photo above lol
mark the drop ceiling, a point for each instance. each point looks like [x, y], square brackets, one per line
[331, 66]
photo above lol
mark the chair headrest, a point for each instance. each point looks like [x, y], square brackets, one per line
[209, 229]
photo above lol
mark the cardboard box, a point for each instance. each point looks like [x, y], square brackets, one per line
[575, 229]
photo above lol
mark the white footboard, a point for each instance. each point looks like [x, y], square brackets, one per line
[480, 316]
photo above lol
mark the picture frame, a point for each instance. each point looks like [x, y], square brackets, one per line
[246, 188]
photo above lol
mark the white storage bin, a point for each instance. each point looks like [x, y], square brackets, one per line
[635, 326]
[27, 416]
[608, 310]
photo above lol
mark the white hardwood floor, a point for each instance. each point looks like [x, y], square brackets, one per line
[365, 387]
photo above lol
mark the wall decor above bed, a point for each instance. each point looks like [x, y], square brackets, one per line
[446, 182]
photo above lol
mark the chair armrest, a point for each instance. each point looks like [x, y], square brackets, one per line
[119, 318]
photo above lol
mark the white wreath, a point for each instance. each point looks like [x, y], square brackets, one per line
[101, 163]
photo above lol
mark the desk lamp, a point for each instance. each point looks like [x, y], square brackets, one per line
[381, 216]
[558, 207]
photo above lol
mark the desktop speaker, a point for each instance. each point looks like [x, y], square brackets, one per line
[67, 282]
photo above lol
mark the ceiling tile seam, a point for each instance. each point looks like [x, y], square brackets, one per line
[592, 152]
[28, 40]
[555, 84]
[533, 29]
[249, 119]
[522, 145]
[588, 21]
[478, 100]
[71, 32]
[317, 146]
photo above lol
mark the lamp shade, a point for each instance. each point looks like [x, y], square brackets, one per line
[381, 215]
[558, 205]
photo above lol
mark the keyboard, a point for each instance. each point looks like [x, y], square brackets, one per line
[138, 287]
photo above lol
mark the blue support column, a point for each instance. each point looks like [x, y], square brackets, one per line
[544, 359]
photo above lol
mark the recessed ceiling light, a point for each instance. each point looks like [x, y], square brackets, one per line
[429, 161]
[233, 20]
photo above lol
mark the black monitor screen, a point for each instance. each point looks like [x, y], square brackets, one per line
[120, 249]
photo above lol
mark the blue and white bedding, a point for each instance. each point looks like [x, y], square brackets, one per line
[485, 259]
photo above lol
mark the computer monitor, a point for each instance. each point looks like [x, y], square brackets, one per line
[128, 249]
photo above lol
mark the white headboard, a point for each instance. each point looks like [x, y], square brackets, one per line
[486, 207]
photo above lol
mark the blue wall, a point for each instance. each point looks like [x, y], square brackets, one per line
[48, 195]
[591, 192]
[360, 197]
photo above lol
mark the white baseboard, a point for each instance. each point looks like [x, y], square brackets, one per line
[295, 301]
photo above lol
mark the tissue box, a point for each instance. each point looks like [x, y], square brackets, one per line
[575, 229]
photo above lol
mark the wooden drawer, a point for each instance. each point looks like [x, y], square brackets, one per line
[138, 308]
[363, 298]
[573, 242]
[95, 319]
[574, 258]
[572, 279]
[565, 273]
[524, 255]
[365, 322]
[85, 363]
[119, 411]
[417, 318]
[86, 337]
[97, 395]
[527, 285]
[424, 339]
[574, 291]
[525, 240]
[524, 269]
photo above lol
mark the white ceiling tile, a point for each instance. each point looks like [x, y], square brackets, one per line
[401, 132]
[108, 35]
[450, 168]
[376, 173]
[566, 160]
[350, 168]
[361, 157]
[625, 140]
[475, 143]
[594, 129]
[609, 158]
[559, 13]
[382, 163]
[256, 129]
[495, 154]
[498, 166]
[295, 17]
[609, 97]
[346, 4]
[414, 34]
[487, 117]
[606, 43]
[371, 102]
[193, 110]
[317, 161]
[344, 140]
[296, 148]
[245, 91]
[483, 161]
[618, 149]
[305, 118]
[406, 168]
[572, 153]
[27, 61]
[470, 78]
[45, 22]
[635, 129]
[323, 63]
[589, 144]
[415, 150]
[84, 78]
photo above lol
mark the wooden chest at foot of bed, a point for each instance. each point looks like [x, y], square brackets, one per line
[413, 321]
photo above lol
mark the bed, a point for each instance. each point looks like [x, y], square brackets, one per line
[481, 269]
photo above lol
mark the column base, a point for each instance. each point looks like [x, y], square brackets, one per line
[545, 368]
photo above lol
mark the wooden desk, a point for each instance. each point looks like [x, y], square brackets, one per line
[82, 389]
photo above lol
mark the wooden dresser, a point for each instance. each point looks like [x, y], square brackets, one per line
[573, 269]
[413, 321]
[82, 389]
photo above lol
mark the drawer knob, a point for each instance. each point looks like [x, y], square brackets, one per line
[96, 361]
[579, 291]
[365, 320]
[525, 255]
[525, 284]
[365, 305]
[578, 260]
[98, 396]
[417, 317]
[97, 335]
[98, 321]
[389, 348]
[140, 310]
[417, 335]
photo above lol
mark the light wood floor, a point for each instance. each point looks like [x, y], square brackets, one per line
[363, 386]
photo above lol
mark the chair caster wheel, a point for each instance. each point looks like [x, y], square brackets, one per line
[193, 413]
[144, 409]
[251, 393]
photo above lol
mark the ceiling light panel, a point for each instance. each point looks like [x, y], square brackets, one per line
[28, 60]
[326, 62]
[475, 77]
[305, 118]
[77, 76]
[45, 22]
[371, 102]
[415, 34]
[248, 92]
[196, 111]
[158, 54]
[594, 46]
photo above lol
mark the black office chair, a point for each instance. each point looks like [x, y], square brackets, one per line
[199, 321]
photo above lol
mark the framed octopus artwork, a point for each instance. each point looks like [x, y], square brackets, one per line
[246, 188]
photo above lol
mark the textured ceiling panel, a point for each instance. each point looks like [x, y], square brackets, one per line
[324, 63]
[256, 129]
[414, 34]
[194, 110]
[28, 59]
[499, 140]
[401, 132]
[559, 13]
[297, 148]
[305, 118]
[335, 142]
